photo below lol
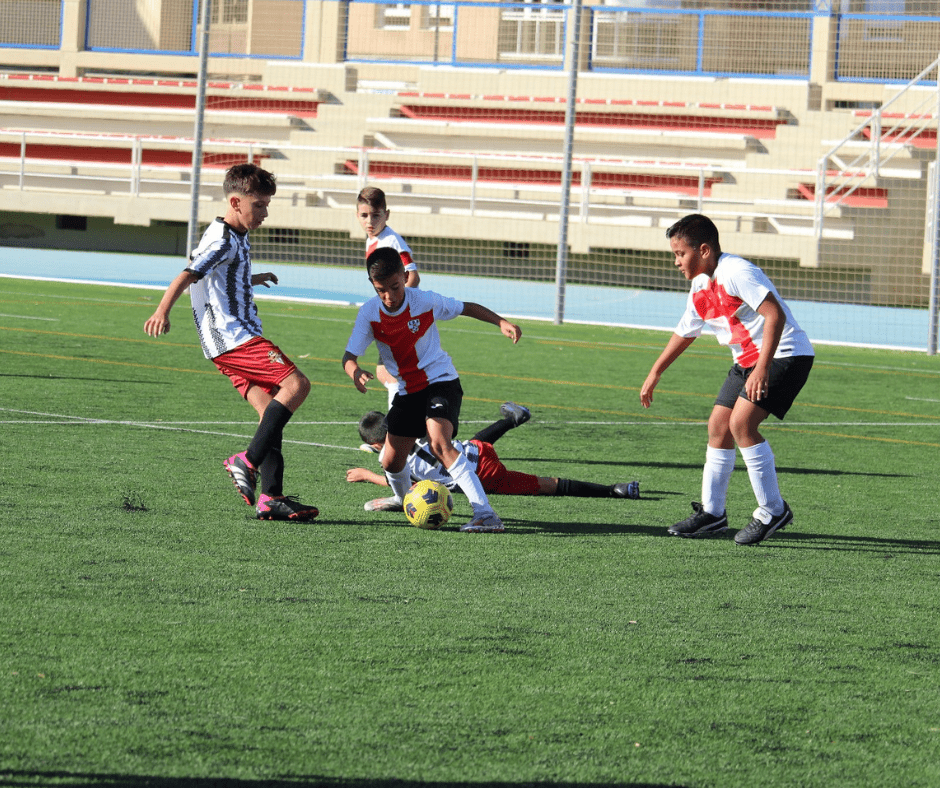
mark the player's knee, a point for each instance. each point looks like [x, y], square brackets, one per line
[299, 386]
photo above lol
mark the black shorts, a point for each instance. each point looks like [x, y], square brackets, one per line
[787, 377]
[409, 412]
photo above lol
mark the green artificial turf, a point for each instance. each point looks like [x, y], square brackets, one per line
[153, 633]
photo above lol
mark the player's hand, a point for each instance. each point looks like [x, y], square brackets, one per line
[511, 330]
[156, 325]
[357, 475]
[360, 377]
[263, 279]
[646, 392]
[756, 387]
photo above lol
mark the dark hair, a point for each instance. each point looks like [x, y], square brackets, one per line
[372, 196]
[249, 179]
[383, 263]
[696, 229]
[372, 427]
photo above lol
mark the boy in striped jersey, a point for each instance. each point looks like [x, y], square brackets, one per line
[494, 476]
[220, 281]
[402, 321]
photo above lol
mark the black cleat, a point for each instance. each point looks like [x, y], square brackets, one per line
[701, 523]
[756, 531]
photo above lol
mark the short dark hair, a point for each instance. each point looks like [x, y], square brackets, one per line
[696, 229]
[249, 179]
[372, 196]
[373, 428]
[383, 263]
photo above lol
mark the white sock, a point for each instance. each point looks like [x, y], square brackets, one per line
[719, 463]
[462, 472]
[759, 460]
[399, 482]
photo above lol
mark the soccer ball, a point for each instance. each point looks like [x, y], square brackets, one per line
[428, 504]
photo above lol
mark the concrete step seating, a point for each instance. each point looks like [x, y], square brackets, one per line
[168, 106]
[115, 150]
[736, 120]
[675, 185]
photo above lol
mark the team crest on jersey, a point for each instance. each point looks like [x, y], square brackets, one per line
[414, 326]
[275, 357]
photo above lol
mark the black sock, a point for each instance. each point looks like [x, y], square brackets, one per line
[495, 431]
[576, 489]
[268, 434]
[272, 473]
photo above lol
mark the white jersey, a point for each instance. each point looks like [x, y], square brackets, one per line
[728, 301]
[421, 464]
[389, 238]
[408, 340]
[223, 299]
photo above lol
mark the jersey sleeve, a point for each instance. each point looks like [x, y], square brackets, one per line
[446, 308]
[361, 336]
[691, 323]
[205, 258]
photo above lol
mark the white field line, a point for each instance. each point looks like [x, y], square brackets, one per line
[186, 426]
[31, 317]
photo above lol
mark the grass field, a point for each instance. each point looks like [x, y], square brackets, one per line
[153, 633]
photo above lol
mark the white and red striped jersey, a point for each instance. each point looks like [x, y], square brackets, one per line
[408, 340]
[727, 302]
[388, 237]
[223, 299]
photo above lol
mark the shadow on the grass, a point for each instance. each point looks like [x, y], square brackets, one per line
[696, 467]
[871, 544]
[34, 779]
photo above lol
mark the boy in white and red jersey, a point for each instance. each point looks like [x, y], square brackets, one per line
[402, 321]
[220, 281]
[493, 474]
[772, 360]
[372, 213]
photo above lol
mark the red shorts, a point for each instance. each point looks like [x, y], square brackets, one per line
[258, 362]
[496, 479]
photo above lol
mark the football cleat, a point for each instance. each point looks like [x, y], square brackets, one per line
[626, 490]
[700, 523]
[391, 504]
[756, 531]
[244, 475]
[284, 507]
[484, 524]
[518, 414]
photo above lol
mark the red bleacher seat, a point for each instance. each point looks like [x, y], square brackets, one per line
[862, 197]
[684, 184]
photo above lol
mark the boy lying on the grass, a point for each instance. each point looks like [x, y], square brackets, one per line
[493, 475]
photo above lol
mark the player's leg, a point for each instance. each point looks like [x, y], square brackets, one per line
[443, 414]
[786, 379]
[275, 388]
[575, 489]
[709, 516]
[512, 415]
[405, 422]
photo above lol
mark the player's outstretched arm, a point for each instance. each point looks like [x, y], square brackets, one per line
[480, 312]
[365, 475]
[674, 348]
[358, 375]
[159, 322]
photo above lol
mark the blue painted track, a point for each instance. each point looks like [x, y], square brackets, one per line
[825, 323]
